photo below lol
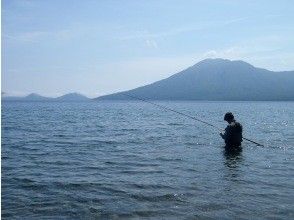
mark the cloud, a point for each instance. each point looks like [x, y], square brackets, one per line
[26, 3]
[151, 43]
[210, 54]
[35, 36]
[72, 31]
[143, 34]
[32, 36]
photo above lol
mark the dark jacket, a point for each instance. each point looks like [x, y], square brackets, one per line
[233, 134]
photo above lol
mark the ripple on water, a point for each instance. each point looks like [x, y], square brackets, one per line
[116, 160]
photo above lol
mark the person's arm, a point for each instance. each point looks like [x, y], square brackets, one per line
[226, 134]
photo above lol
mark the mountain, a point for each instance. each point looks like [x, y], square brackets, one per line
[36, 97]
[217, 79]
[72, 97]
[30, 97]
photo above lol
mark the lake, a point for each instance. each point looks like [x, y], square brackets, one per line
[132, 160]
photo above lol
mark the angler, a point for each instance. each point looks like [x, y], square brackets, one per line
[233, 132]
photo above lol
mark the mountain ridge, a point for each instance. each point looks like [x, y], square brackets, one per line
[72, 97]
[36, 97]
[217, 79]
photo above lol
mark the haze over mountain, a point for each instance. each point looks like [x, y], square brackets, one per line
[217, 79]
[36, 97]
[72, 97]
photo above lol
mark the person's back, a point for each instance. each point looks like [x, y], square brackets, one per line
[233, 132]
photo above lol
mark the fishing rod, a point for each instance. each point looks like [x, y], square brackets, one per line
[188, 116]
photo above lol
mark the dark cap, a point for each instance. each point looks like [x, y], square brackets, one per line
[229, 116]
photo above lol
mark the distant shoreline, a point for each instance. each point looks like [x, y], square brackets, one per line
[156, 100]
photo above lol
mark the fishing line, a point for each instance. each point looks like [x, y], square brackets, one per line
[188, 116]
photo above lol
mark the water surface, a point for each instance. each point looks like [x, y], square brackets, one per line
[114, 160]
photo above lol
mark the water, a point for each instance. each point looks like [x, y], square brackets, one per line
[114, 160]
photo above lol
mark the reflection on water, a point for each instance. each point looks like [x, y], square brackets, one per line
[233, 160]
[232, 156]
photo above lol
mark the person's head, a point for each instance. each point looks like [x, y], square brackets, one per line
[229, 117]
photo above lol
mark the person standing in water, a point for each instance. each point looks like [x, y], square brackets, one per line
[233, 132]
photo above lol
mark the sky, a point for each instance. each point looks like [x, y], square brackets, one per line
[54, 47]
